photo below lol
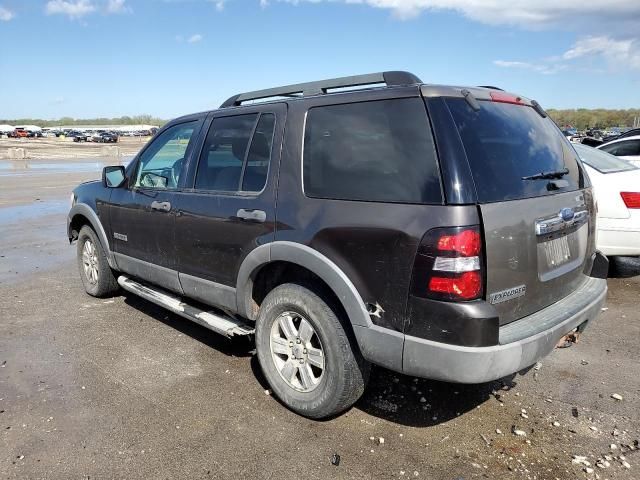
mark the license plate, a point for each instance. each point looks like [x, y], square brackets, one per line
[557, 251]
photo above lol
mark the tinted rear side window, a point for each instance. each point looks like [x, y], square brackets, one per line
[223, 153]
[506, 142]
[378, 151]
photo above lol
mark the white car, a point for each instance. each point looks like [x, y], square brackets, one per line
[627, 148]
[616, 186]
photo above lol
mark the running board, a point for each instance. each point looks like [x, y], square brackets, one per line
[217, 322]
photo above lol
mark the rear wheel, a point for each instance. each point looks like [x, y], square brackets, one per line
[96, 274]
[306, 354]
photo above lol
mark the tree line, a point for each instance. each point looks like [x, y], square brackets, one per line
[580, 118]
[583, 118]
[125, 120]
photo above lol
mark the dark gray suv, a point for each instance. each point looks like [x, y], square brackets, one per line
[438, 231]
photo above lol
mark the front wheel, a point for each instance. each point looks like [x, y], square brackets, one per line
[96, 274]
[306, 354]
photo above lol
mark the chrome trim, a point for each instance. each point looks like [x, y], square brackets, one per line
[556, 223]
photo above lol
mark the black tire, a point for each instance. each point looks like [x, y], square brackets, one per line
[103, 283]
[345, 372]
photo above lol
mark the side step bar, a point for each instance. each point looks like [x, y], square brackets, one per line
[218, 322]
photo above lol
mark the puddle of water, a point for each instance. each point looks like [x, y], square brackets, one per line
[28, 167]
[18, 213]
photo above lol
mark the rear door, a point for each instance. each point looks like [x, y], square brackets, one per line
[538, 231]
[229, 208]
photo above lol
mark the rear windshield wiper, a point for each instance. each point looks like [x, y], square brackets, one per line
[548, 175]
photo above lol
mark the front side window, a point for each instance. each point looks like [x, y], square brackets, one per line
[160, 165]
[379, 151]
[236, 154]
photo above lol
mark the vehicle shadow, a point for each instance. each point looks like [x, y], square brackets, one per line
[390, 396]
[234, 347]
[418, 402]
[624, 267]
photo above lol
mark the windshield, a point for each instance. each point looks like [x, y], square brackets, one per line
[602, 161]
[508, 147]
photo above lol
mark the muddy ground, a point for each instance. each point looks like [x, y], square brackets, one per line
[119, 388]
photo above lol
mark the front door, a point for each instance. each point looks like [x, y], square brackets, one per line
[142, 216]
[230, 209]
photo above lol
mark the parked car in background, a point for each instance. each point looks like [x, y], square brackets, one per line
[20, 133]
[107, 137]
[616, 185]
[78, 136]
[626, 148]
[417, 227]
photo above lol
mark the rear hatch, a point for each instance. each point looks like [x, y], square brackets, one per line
[534, 200]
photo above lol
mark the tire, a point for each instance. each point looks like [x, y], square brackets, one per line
[313, 392]
[99, 281]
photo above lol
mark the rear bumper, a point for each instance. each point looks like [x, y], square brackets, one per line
[522, 343]
[619, 238]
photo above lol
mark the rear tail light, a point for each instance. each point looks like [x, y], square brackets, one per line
[449, 265]
[631, 199]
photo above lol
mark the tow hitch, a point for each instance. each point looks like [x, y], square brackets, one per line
[569, 339]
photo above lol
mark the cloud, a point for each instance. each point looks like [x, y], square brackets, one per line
[616, 53]
[195, 38]
[587, 53]
[74, 9]
[118, 6]
[534, 67]
[5, 14]
[523, 13]
[219, 4]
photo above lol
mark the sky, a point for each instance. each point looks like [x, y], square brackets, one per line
[108, 58]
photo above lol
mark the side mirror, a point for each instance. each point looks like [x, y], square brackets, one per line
[113, 176]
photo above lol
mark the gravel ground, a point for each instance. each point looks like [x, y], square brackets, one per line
[119, 388]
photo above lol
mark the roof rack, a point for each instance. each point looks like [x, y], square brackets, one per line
[491, 87]
[322, 86]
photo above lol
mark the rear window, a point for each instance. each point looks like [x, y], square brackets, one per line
[602, 161]
[506, 142]
[627, 148]
[379, 151]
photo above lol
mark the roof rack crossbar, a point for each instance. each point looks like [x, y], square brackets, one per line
[322, 86]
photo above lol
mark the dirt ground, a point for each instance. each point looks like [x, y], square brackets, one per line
[119, 388]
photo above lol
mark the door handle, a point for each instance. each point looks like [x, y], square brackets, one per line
[253, 215]
[162, 206]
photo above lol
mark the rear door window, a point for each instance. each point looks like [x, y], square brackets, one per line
[259, 156]
[506, 142]
[220, 166]
[236, 154]
[380, 151]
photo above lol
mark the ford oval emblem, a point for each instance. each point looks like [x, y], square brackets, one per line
[567, 214]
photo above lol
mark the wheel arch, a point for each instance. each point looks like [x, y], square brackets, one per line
[306, 258]
[82, 214]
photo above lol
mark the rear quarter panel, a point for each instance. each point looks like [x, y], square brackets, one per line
[373, 243]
